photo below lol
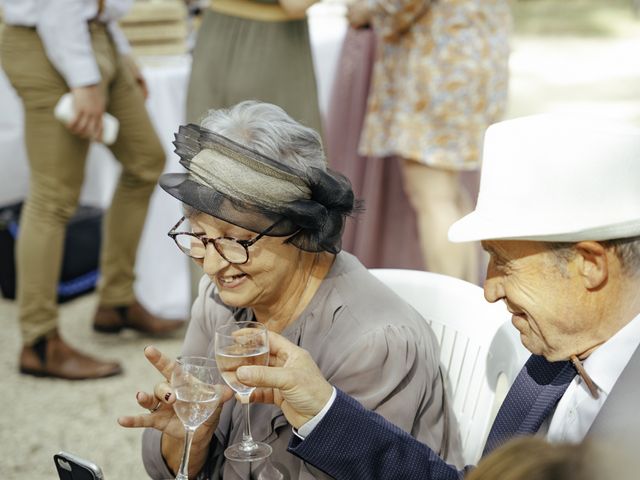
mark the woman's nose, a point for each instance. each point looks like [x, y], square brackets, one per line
[212, 261]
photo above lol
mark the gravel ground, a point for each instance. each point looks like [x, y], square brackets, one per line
[43, 416]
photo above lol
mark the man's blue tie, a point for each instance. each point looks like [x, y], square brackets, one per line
[532, 397]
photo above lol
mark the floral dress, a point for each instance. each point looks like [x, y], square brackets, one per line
[440, 78]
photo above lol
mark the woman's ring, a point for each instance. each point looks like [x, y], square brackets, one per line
[151, 410]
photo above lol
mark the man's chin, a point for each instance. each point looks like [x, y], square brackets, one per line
[530, 344]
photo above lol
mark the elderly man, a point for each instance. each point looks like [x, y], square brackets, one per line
[559, 214]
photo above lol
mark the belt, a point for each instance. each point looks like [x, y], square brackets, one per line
[251, 10]
[92, 22]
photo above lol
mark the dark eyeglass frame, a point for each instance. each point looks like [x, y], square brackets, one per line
[173, 233]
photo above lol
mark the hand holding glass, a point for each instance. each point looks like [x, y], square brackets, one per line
[194, 380]
[238, 344]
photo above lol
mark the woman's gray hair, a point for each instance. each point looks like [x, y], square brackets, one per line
[626, 249]
[269, 130]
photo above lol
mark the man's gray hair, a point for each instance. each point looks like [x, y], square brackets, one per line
[626, 249]
[269, 130]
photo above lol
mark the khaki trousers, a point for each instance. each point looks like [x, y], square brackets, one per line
[57, 162]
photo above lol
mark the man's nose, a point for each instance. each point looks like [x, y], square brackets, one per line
[493, 286]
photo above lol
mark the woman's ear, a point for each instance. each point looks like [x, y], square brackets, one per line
[592, 264]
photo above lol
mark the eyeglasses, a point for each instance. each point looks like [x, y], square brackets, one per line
[231, 249]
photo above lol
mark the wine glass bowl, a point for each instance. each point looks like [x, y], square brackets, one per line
[195, 384]
[230, 357]
[236, 345]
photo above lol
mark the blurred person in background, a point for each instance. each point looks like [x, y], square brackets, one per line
[48, 49]
[439, 79]
[533, 458]
[257, 176]
[559, 214]
[385, 235]
[254, 50]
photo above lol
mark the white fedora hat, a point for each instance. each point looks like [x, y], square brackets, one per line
[556, 177]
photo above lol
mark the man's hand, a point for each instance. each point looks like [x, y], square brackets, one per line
[130, 63]
[88, 105]
[292, 381]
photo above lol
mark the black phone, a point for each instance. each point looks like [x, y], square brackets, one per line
[72, 467]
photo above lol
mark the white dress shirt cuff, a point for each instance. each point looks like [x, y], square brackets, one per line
[306, 429]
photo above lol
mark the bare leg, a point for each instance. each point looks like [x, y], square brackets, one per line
[438, 199]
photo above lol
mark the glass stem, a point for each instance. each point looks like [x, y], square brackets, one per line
[183, 473]
[247, 443]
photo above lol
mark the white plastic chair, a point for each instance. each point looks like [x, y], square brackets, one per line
[480, 349]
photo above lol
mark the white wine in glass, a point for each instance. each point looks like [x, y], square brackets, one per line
[195, 384]
[236, 345]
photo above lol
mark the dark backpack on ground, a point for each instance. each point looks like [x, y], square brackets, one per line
[81, 252]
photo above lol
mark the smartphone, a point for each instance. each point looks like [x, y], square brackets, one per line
[72, 467]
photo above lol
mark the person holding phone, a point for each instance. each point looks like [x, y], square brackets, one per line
[49, 49]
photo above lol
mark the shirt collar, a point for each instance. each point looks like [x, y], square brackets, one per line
[607, 362]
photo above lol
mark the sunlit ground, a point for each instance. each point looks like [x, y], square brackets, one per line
[593, 18]
[576, 55]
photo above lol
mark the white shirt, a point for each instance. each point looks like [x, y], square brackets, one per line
[306, 429]
[62, 26]
[577, 409]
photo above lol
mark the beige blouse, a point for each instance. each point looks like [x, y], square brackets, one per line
[439, 79]
[366, 341]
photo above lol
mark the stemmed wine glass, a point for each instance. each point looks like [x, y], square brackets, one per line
[238, 344]
[195, 383]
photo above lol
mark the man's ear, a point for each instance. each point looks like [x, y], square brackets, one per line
[592, 264]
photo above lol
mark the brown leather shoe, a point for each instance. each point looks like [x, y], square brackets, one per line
[52, 357]
[136, 317]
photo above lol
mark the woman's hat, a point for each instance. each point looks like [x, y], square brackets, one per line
[241, 186]
[556, 177]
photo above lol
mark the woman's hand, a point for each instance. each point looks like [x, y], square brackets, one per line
[359, 14]
[296, 8]
[162, 417]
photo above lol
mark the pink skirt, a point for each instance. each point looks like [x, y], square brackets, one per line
[385, 235]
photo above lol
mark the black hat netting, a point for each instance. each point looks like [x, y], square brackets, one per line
[243, 187]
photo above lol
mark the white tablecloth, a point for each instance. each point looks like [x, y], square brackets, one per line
[163, 282]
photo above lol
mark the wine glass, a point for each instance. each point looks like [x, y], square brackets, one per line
[238, 344]
[195, 383]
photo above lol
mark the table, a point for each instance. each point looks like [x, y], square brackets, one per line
[162, 272]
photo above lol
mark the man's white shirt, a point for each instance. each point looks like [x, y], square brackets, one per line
[63, 28]
[577, 409]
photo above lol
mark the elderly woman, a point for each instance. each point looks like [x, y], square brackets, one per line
[264, 218]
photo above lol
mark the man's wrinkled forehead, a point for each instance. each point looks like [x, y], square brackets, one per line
[512, 249]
